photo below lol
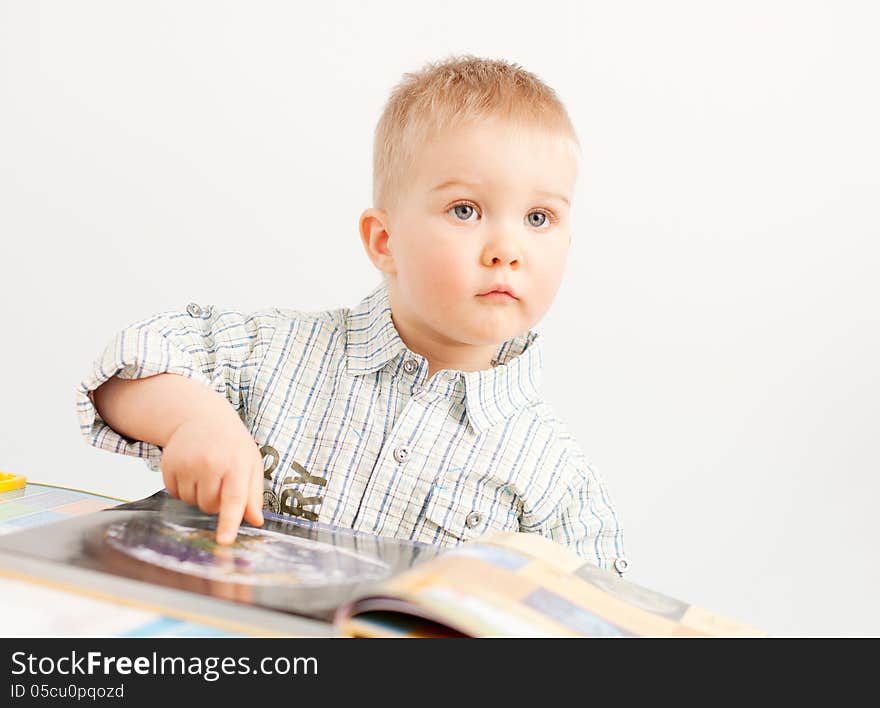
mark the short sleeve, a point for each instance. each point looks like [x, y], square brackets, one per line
[586, 521]
[221, 349]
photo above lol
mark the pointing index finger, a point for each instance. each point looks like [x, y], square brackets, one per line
[233, 498]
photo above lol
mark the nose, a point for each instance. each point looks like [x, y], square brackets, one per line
[502, 246]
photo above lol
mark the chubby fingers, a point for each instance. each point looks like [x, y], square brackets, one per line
[187, 490]
[170, 480]
[208, 494]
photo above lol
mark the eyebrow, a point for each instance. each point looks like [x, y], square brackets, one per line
[554, 195]
[454, 182]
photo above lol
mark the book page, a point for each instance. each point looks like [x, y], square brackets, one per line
[44, 611]
[517, 584]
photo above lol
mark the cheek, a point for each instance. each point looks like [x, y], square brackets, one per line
[551, 261]
[433, 259]
[441, 275]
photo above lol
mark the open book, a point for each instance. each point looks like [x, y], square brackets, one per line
[518, 584]
[353, 584]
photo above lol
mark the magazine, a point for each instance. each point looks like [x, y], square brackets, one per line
[357, 584]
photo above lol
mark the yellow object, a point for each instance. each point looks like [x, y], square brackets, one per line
[8, 482]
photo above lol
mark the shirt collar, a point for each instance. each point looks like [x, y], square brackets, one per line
[490, 396]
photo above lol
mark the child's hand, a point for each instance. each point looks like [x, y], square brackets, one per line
[211, 461]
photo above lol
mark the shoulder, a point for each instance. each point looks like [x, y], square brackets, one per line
[558, 434]
[542, 414]
[237, 327]
[334, 316]
[199, 324]
[286, 317]
[294, 325]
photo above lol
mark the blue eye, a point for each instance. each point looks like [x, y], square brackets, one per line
[539, 221]
[463, 211]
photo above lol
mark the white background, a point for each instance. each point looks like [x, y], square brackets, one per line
[714, 347]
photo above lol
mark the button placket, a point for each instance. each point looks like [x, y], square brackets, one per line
[374, 507]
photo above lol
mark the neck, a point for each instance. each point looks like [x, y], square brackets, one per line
[440, 351]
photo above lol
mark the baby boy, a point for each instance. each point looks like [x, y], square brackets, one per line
[415, 414]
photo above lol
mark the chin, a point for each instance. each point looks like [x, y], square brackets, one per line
[483, 337]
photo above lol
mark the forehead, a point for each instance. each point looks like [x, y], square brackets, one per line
[495, 152]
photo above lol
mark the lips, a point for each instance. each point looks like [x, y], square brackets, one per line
[500, 289]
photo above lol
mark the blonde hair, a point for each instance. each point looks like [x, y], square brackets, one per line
[450, 92]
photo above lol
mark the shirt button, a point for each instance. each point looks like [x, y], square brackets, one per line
[194, 310]
[621, 565]
[410, 366]
[473, 519]
[400, 454]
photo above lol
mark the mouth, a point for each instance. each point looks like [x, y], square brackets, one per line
[499, 292]
[498, 296]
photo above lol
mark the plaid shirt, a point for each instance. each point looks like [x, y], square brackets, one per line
[352, 433]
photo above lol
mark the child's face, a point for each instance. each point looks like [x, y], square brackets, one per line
[486, 203]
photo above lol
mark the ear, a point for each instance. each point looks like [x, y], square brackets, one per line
[373, 226]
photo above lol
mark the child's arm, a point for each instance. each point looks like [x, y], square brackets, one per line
[175, 389]
[209, 459]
